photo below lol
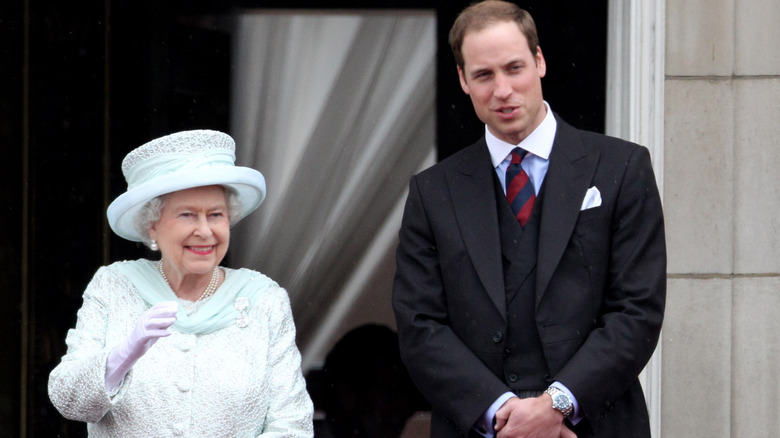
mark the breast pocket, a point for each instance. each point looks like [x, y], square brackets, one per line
[592, 240]
[591, 214]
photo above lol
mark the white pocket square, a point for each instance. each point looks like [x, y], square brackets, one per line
[592, 199]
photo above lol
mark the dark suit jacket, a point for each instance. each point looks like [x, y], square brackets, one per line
[600, 290]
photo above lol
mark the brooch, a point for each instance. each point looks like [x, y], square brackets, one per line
[242, 304]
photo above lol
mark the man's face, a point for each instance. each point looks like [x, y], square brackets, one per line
[503, 79]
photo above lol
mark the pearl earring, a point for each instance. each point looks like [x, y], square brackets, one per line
[153, 246]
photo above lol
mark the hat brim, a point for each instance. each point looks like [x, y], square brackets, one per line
[247, 183]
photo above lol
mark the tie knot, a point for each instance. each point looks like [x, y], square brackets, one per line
[517, 155]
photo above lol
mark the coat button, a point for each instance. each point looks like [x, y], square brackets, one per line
[179, 429]
[512, 378]
[497, 336]
[185, 342]
[183, 385]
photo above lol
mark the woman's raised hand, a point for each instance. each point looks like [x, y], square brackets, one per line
[151, 326]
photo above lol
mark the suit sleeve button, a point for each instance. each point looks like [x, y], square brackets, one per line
[497, 336]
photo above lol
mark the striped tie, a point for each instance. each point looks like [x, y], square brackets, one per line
[519, 188]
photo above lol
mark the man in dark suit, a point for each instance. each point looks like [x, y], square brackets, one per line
[531, 316]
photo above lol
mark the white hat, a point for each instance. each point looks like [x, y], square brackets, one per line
[181, 161]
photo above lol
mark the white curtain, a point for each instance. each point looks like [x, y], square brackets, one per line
[337, 111]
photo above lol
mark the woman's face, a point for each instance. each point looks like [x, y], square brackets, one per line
[193, 232]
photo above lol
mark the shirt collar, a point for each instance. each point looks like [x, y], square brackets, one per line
[538, 143]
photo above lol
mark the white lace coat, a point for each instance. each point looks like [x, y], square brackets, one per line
[234, 382]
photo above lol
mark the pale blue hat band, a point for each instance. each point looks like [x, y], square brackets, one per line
[170, 163]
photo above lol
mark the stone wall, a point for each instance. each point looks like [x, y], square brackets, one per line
[721, 350]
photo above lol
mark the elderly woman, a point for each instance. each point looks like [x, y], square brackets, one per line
[183, 346]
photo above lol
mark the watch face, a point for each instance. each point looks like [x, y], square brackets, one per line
[561, 402]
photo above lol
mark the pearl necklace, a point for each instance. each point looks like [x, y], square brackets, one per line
[210, 289]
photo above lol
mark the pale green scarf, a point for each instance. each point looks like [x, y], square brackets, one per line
[215, 313]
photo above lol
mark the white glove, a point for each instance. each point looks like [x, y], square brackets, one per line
[151, 326]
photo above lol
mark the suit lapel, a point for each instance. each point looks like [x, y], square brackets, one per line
[571, 170]
[471, 186]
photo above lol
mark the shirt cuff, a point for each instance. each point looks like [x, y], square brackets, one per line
[575, 416]
[484, 425]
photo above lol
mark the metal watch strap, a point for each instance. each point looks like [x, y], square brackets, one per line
[566, 408]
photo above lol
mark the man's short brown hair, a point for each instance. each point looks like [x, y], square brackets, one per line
[478, 16]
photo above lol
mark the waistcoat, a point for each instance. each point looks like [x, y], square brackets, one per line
[524, 365]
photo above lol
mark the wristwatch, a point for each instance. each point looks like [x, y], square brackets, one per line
[560, 401]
